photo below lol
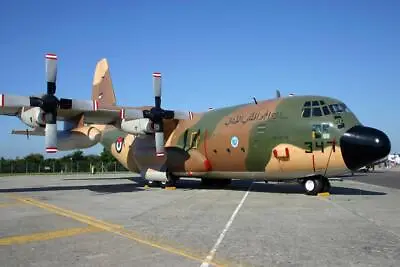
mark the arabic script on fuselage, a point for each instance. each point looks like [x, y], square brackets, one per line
[253, 116]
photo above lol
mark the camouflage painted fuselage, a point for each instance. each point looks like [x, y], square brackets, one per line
[271, 140]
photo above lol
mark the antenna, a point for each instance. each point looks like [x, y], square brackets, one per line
[255, 100]
[278, 93]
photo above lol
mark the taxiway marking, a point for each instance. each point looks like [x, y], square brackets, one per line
[22, 239]
[207, 261]
[112, 228]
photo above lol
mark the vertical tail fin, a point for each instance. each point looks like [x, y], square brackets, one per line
[102, 89]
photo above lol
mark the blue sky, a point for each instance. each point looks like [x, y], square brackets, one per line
[211, 54]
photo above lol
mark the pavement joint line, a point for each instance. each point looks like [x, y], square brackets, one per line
[42, 236]
[108, 227]
[210, 257]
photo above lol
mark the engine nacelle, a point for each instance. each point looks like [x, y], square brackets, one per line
[80, 138]
[137, 126]
[33, 117]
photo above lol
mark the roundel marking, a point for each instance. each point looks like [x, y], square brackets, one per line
[234, 141]
[119, 143]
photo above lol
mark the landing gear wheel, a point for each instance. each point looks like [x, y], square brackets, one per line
[151, 183]
[172, 179]
[313, 186]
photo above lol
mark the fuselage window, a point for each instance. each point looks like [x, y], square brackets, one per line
[307, 104]
[325, 110]
[306, 113]
[316, 112]
[315, 103]
[322, 102]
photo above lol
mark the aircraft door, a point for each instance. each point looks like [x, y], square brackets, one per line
[322, 147]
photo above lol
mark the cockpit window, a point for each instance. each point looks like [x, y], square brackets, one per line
[306, 113]
[333, 111]
[325, 109]
[318, 108]
[316, 112]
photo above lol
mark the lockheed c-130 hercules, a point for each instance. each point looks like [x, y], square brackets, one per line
[302, 138]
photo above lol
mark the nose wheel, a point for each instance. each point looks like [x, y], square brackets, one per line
[316, 185]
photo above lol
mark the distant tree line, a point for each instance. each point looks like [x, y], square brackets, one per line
[74, 162]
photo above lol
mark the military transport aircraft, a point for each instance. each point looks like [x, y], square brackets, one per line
[296, 138]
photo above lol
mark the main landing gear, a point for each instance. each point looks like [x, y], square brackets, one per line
[315, 185]
[171, 182]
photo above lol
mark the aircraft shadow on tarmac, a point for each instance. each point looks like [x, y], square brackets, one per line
[138, 185]
[106, 188]
[282, 188]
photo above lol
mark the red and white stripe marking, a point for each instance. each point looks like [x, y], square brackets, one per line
[51, 149]
[2, 104]
[95, 105]
[160, 154]
[51, 56]
[156, 74]
[190, 115]
[122, 113]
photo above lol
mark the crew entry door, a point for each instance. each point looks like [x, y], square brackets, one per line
[322, 147]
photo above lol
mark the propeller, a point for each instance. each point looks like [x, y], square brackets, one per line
[48, 103]
[156, 115]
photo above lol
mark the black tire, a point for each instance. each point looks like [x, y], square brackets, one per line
[153, 183]
[313, 186]
[327, 185]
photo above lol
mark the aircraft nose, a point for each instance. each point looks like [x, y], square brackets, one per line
[362, 145]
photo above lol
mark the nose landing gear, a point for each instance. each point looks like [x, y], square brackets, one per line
[315, 185]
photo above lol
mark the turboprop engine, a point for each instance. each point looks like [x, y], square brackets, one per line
[137, 126]
[33, 117]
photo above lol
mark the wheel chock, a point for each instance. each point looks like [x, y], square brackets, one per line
[324, 194]
[170, 188]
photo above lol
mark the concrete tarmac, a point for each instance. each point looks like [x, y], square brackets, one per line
[113, 220]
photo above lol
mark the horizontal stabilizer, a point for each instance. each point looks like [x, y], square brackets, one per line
[35, 132]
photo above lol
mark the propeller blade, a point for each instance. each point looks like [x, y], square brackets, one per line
[84, 105]
[131, 114]
[157, 84]
[157, 89]
[14, 101]
[51, 132]
[183, 115]
[159, 138]
[51, 73]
